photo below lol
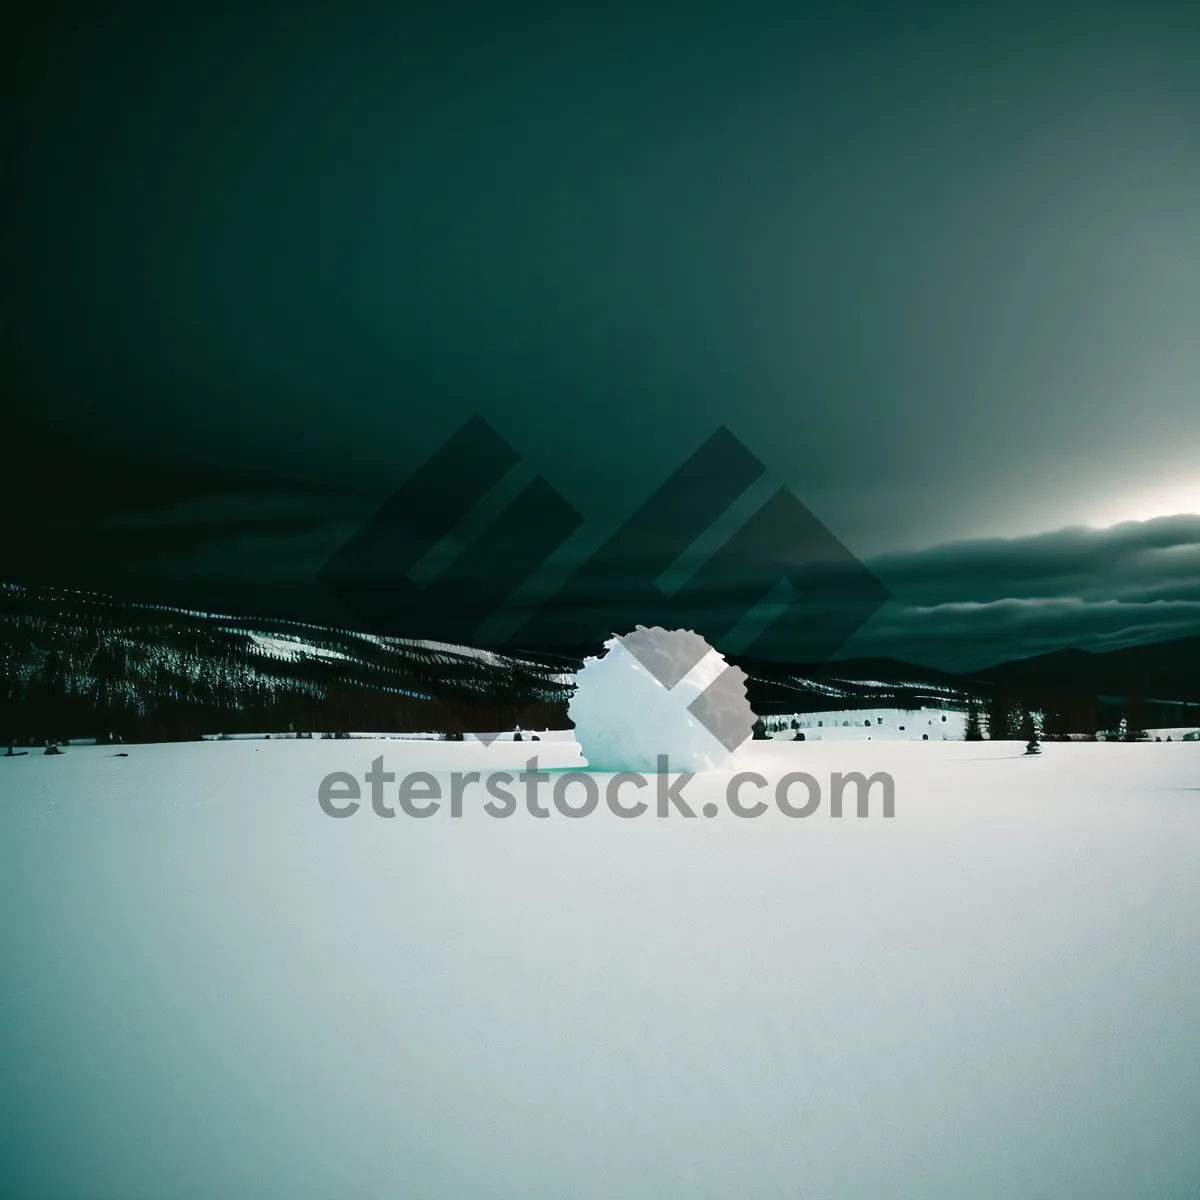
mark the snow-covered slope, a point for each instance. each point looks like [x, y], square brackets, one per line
[78, 664]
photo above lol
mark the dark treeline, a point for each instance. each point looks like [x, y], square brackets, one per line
[81, 665]
[1071, 713]
[76, 665]
[774, 688]
[1062, 703]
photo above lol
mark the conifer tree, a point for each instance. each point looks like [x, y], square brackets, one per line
[1029, 733]
[974, 729]
[999, 717]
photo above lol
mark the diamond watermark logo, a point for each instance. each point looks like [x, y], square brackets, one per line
[461, 553]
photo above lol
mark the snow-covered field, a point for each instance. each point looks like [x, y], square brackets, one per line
[211, 988]
[893, 724]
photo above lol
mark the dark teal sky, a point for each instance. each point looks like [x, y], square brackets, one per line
[938, 266]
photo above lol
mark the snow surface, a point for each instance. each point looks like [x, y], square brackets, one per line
[895, 724]
[292, 649]
[214, 989]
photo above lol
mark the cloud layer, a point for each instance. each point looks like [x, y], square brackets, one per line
[971, 603]
[958, 606]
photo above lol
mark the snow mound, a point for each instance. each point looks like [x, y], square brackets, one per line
[659, 692]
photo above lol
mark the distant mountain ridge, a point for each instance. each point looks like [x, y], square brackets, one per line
[1167, 670]
[82, 664]
[1154, 684]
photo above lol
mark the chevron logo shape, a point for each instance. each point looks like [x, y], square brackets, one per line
[448, 552]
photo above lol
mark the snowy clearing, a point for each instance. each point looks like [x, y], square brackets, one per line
[214, 989]
[894, 724]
